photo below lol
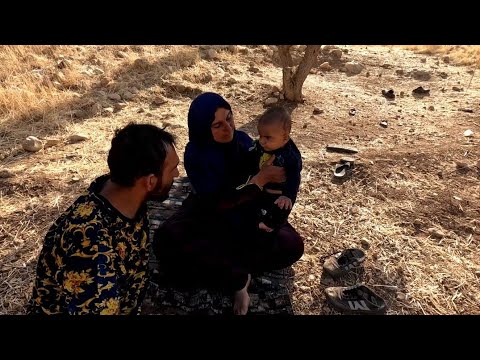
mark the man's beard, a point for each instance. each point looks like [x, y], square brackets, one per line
[160, 193]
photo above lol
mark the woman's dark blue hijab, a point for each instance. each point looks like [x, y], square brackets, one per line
[212, 167]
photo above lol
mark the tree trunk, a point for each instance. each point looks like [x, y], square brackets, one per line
[294, 76]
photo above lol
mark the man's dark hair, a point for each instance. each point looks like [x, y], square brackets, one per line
[137, 150]
[276, 114]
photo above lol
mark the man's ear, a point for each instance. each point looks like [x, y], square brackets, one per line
[151, 182]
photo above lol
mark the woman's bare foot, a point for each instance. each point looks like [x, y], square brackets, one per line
[264, 227]
[242, 300]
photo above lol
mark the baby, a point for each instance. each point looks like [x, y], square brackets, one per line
[277, 200]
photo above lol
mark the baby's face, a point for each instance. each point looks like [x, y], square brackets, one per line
[272, 136]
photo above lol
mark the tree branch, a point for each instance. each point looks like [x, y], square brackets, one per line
[311, 53]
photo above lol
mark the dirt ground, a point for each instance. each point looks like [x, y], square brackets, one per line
[412, 201]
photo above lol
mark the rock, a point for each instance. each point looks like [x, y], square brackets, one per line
[325, 66]
[271, 101]
[32, 144]
[443, 75]
[75, 178]
[122, 54]
[466, 110]
[431, 108]
[5, 174]
[180, 88]
[232, 48]
[206, 78]
[140, 110]
[282, 97]
[79, 113]
[159, 100]
[446, 59]
[77, 138]
[401, 296]
[211, 54]
[63, 63]
[231, 81]
[108, 110]
[127, 95]
[399, 72]
[276, 94]
[417, 223]
[353, 68]
[462, 165]
[365, 243]
[275, 89]
[336, 53]
[423, 60]
[468, 133]
[317, 111]
[113, 96]
[305, 126]
[387, 66]
[402, 94]
[420, 92]
[327, 48]
[51, 142]
[254, 69]
[244, 50]
[141, 63]
[456, 88]
[367, 74]
[421, 75]
[96, 108]
[354, 210]
[384, 123]
[435, 233]
[96, 70]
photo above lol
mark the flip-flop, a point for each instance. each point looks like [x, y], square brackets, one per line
[342, 169]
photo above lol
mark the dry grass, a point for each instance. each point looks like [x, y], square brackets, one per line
[406, 181]
[458, 54]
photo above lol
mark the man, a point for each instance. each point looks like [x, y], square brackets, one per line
[95, 256]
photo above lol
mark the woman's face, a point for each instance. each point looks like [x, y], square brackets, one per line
[223, 126]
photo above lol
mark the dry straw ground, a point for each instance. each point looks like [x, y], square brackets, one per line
[413, 201]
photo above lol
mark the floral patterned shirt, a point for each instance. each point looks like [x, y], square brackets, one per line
[94, 260]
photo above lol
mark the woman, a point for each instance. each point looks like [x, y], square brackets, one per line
[213, 240]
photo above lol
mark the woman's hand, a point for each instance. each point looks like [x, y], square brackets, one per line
[269, 173]
[284, 202]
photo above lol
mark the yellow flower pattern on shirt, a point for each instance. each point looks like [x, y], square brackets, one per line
[94, 260]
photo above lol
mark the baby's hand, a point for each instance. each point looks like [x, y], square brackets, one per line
[284, 202]
[264, 227]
